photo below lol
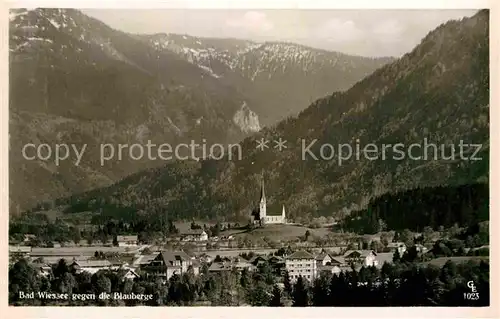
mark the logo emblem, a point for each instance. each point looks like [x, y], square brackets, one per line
[471, 286]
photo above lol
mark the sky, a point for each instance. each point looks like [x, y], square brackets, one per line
[366, 32]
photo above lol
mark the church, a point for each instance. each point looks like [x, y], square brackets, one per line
[260, 216]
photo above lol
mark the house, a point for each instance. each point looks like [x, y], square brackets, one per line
[127, 241]
[277, 263]
[275, 259]
[218, 258]
[328, 264]
[168, 263]
[194, 235]
[397, 246]
[220, 266]
[301, 263]
[205, 258]
[323, 259]
[237, 264]
[330, 269]
[364, 257]
[44, 270]
[144, 260]
[421, 249]
[258, 260]
[126, 274]
[29, 237]
[240, 264]
[337, 261]
[90, 266]
[20, 251]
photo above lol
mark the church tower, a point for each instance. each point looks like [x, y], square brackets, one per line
[262, 205]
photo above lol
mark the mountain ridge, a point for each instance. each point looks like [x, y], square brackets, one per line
[439, 91]
[256, 67]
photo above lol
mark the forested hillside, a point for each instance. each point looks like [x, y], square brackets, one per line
[423, 207]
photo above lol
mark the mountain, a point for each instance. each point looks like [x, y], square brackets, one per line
[281, 78]
[74, 80]
[439, 92]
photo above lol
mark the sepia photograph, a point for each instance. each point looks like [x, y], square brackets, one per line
[179, 157]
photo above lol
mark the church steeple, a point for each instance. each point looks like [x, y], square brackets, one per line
[262, 190]
[262, 204]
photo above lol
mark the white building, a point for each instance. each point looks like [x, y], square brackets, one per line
[323, 259]
[397, 246]
[127, 241]
[91, 266]
[195, 235]
[262, 217]
[364, 257]
[169, 263]
[22, 251]
[301, 263]
[127, 274]
[420, 249]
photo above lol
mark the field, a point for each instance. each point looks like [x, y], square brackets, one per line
[279, 232]
[82, 251]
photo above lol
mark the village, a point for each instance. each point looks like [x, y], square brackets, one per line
[193, 248]
[219, 270]
[132, 260]
[201, 263]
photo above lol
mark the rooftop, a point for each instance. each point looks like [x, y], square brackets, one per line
[301, 254]
[337, 260]
[256, 258]
[126, 238]
[19, 249]
[322, 256]
[123, 272]
[92, 263]
[362, 253]
[169, 257]
[220, 266]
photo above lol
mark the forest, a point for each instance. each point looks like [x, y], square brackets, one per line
[418, 208]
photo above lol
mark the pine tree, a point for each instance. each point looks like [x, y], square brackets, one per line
[321, 291]
[396, 257]
[287, 283]
[300, 293]
[276, 300]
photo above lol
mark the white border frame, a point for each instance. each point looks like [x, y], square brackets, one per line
[232, 312]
